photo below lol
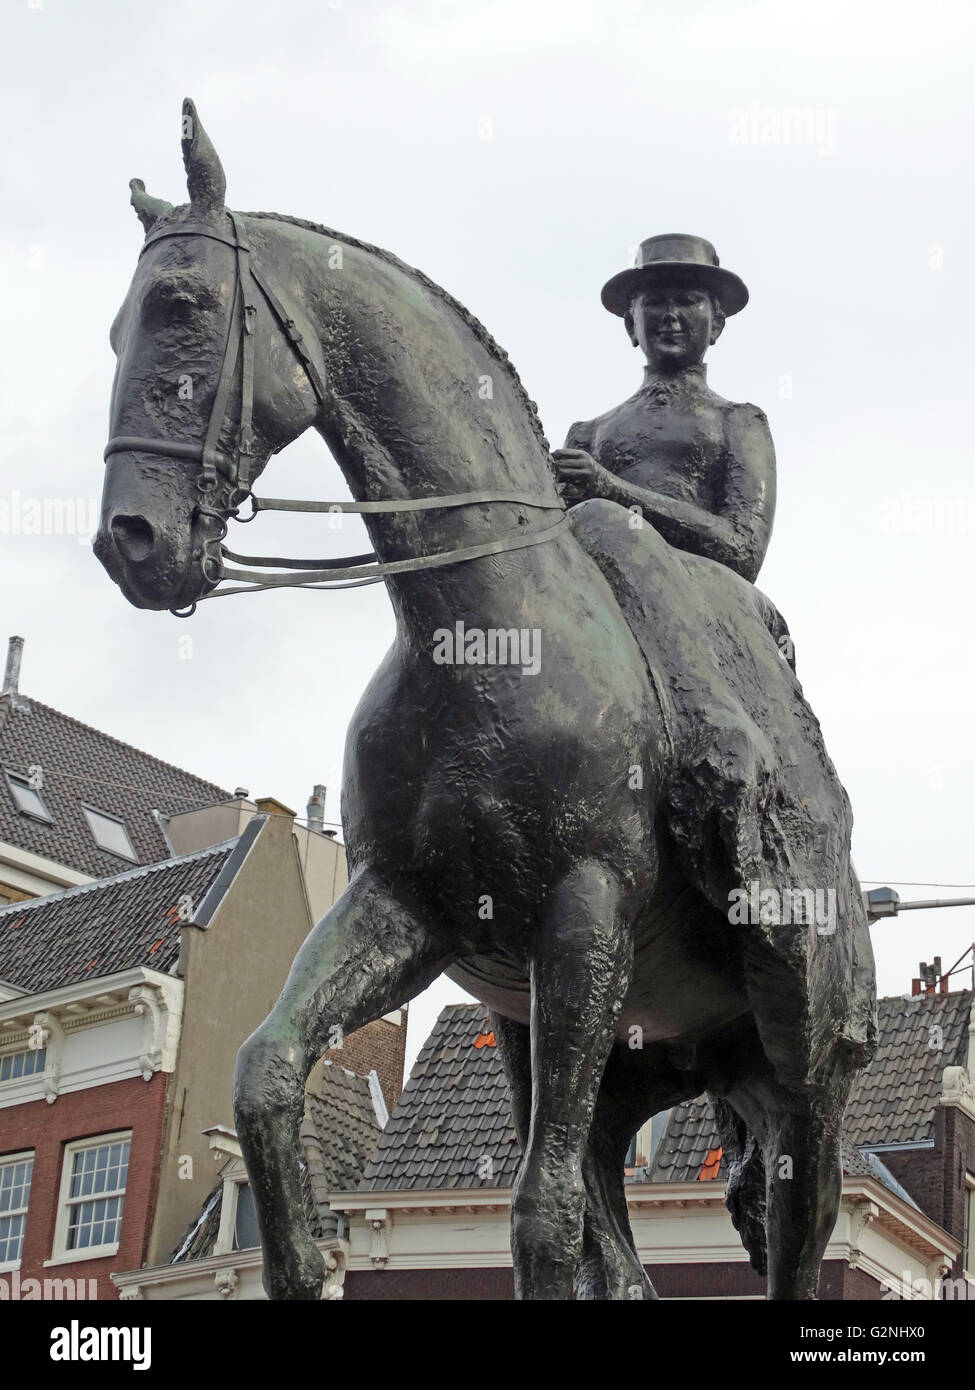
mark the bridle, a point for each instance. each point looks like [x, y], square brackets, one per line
[236, 466]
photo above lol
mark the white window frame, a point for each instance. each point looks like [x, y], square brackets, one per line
[7, 1266]
[24, 1076]
[90, 811]
[15, 779]
[968, 1254]
[61, 1253]
[234, 1178]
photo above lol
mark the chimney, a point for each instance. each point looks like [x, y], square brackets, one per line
[930, 980]
[315, 810]
[11, 676]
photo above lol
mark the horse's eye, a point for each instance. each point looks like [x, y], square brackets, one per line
[175, 301]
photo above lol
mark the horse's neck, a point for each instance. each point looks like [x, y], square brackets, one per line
[425, 406]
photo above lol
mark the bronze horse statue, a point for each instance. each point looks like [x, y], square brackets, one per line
[563, 834]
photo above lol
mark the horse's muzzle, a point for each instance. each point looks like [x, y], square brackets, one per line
[154, 567]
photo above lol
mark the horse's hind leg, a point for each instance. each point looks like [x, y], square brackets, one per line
[367, 955]
[798, 1132]
[804, 1185]
[745, 1194]
[579, 974]
[636, 1084]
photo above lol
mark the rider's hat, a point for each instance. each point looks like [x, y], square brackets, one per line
[675, 255]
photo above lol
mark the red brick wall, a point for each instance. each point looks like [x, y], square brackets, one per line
[380, 1046]
[671, 1281]
[455, 1285]
[136, 1105]
[935, 1178]
[922, 1171]
[959, 1135]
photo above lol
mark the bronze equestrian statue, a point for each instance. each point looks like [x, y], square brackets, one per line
[562, 835]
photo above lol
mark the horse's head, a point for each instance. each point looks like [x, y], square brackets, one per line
[196, 411]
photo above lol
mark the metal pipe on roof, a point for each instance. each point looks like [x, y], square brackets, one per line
[315, 810]
[11, 675]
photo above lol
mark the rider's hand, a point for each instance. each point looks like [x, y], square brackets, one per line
[579, 475]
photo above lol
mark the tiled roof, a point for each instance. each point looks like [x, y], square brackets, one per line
[80, 764]
[452, 1126]
[103, 927]
[339, 1130]
[689, 1136]
[201, 1237]
[894, 1099]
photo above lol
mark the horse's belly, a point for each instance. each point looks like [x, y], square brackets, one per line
[684, 982]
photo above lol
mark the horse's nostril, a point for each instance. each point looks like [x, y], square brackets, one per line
[134, 536]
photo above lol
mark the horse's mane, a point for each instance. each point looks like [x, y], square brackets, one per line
[474, 324]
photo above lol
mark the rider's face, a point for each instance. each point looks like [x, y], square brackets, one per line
[674, 325]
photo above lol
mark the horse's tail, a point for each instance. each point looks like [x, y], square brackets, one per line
[745, 1193]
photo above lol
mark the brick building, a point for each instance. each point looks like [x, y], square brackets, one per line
[134, 960]
[90, 1020]
[75, 803]
[429, 1215]
[218, 1256]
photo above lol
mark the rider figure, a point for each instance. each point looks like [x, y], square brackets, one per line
[700, 469]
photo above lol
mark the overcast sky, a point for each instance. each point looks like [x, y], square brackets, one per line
[517, 151]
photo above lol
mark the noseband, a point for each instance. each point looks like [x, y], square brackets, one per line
[237, 466]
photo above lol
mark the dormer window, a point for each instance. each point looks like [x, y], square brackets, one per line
[109, 833]
[28, 799]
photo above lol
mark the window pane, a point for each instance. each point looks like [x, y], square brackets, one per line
[14, 1065]
[95, 1223]
[11, 1237]
[26, 797]
[110, 834]
[95, 1219]
[246, 1232]
[15, 1180]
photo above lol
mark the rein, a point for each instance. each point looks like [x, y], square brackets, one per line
[349, 571]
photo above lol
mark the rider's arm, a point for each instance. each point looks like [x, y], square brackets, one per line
[739, 535]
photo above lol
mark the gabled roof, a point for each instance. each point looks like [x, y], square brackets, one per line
[81, 764]
[689, 1136]
[894, 1100]
[690, 1151]
[454, 1112]
[452, 1125]
[104, 927]
[339, 1130]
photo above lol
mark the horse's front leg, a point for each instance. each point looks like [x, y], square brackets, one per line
[369, 954]
[580, 973]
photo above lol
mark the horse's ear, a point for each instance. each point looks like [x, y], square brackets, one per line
[205, 178]
[147, 209]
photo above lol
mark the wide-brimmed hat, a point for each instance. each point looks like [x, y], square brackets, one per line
[675, 254]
